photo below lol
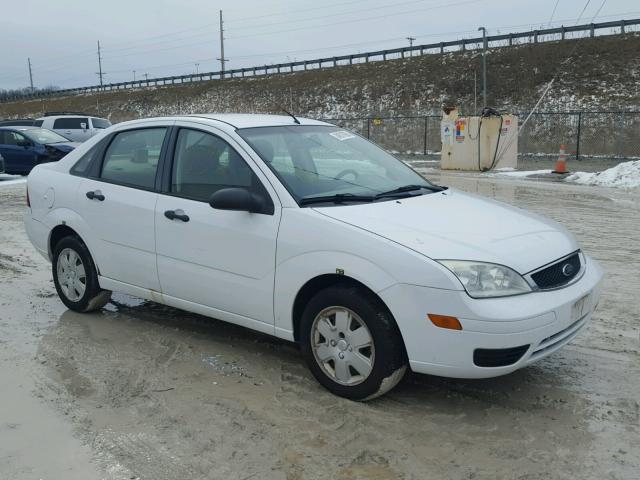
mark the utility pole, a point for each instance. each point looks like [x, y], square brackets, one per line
[411, 40]
[100, 72]
[222, 58]
[484, 66]
[475, 91]
[134, 75]
[146, 77]
[197, 68]
[30, 74]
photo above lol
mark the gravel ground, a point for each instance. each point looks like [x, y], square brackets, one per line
[142, 391]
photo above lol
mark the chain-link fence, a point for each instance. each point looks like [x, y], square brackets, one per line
[607, 135]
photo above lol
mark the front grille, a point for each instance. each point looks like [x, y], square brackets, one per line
[498, 357]
[558, 274]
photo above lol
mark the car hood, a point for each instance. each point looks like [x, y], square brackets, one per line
[63, 146]
[461, 226]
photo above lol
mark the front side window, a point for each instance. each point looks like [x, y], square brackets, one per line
[204, 163]
[12, 138]
[132, 157]
[317, 161]
[71, 123]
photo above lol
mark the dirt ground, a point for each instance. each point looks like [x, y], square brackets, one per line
[142, 391]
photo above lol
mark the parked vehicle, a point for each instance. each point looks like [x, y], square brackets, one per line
[25, 147]
[76, 127]
[303, 230]
[1, 164]
[19, 122]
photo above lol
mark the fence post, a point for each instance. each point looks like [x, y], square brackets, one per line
[368, 128]
[426, 129]
[622, 26]
[578, 139]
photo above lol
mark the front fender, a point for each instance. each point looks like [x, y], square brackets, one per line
[295, 272]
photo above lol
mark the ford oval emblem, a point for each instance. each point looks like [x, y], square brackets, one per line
[567, 269]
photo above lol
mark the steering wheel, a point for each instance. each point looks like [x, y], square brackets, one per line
[347, 171]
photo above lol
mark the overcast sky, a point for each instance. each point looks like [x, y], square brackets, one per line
[169, 37]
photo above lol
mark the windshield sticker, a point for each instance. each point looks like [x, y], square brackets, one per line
[342, 135]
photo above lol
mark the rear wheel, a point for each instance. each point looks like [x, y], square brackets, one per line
[75, 276]
[351, 343]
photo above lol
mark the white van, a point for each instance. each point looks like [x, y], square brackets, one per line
[74, 127]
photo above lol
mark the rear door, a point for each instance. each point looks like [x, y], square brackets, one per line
[118, 202]
[74, 128]
[220, 259]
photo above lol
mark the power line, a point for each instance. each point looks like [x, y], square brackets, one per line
[74, 64]
[322, 17]
[555, 7]
[362, 19]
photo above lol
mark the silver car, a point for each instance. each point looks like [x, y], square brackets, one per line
[77, 128]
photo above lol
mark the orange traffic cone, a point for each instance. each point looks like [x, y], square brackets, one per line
[561, 164]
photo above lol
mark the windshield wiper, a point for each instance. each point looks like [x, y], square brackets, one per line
[408, 188]
[337, 198]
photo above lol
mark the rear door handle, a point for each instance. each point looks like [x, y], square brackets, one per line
[95, 195]
[176, 215]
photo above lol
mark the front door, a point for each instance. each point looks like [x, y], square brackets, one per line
[17, 151]
[220, 259]
[119, 206]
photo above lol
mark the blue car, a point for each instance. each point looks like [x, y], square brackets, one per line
[22, 148]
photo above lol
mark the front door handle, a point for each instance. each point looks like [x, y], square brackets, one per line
[176, 215]
[95, 195]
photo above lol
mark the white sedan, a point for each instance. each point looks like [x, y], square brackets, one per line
[308, 232]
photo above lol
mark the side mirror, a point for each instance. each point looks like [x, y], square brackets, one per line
[24, 143]
[240, 199]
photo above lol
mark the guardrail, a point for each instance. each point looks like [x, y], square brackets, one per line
[534, 36]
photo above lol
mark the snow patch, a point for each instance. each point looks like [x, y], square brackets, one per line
[519, 173]
[623, 175]
[6, 179]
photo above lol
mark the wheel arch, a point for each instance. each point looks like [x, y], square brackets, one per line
[320, 282]
[63, 230]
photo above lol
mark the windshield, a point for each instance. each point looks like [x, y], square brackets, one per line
[324, 161]
[42, 135]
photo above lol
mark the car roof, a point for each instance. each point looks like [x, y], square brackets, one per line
[19, 127]
[248, 120]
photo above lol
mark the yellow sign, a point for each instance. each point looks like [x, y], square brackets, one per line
[377, 122]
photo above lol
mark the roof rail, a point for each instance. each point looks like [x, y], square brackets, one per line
[55, 114]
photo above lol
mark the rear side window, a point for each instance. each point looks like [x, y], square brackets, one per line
[83, 166]
[37, 123]
[132, 157]
[100, 123]
[71, 123]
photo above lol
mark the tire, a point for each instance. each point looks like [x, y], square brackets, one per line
[78, 288]
[336, 350]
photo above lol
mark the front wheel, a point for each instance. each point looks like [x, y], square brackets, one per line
[351, 343]
[75, 276]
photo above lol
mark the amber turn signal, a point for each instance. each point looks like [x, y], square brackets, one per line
[443, 321]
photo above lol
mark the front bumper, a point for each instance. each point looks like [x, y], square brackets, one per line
[544, 321]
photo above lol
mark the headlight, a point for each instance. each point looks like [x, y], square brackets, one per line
[482, 280]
